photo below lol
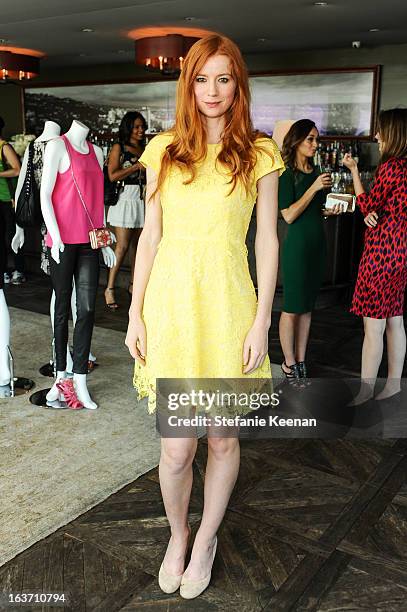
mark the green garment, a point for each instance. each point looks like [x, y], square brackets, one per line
[304, 249]
[4, 190]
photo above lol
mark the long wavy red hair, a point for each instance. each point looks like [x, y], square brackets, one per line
[189, 144]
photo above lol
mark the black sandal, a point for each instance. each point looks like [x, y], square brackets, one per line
[302, 369]
[293, 374]
[111, 305]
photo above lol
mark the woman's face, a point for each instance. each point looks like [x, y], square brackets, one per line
[309, 146]
[138, 129]
[214, 87]
[379, 141]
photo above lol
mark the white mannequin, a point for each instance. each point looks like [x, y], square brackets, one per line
[51, 130]
[56, 159]
[4, 343]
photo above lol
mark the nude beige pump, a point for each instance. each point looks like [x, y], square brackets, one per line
[167, 582]
[192, 588]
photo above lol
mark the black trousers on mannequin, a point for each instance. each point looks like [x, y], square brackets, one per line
[79, 262]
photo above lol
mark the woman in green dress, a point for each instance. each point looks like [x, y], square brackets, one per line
[301, 198]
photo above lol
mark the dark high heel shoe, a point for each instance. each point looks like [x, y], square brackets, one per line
[302, 369]
[294, 372]
[112, 305]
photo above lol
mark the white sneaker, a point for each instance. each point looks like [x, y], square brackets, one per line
[6, 278]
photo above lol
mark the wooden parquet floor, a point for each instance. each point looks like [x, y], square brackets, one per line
[312, 525]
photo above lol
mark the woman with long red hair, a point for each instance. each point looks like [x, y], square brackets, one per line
[194, 312]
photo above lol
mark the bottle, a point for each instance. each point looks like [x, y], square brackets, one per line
[334, 155]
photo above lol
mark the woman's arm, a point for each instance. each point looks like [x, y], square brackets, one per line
[116, 172]
[266, 248]
[12, 160]
[376, 198]
[351, 164]
[146, 251]
[296, 209]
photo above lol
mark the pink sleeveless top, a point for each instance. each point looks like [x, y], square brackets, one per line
[73, 222]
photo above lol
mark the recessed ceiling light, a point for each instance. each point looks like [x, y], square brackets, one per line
[121, 51]
[261, 40]
[321, 3]
[374, 30]
[87, 30]
[189, 18]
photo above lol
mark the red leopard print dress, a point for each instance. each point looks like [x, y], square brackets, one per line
[382, 276]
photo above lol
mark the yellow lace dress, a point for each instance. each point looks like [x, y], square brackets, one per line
[200, 301]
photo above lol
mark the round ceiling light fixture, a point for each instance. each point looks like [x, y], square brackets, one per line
[164, 53]
[17, 64]
[162, 49]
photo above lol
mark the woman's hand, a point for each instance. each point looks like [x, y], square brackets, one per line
[371, 219]
[255, 348]
[324, 181]
[337, 209]
[136, 339]
[349, 162]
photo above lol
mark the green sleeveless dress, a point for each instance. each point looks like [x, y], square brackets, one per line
[304, 248]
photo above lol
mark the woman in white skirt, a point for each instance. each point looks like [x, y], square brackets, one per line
[127, 217]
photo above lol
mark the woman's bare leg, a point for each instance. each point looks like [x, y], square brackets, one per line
[287, 329]
[123, 237]
[396, 352]
[372, 353]
[175, 472]
[302, 335]
[221, 473]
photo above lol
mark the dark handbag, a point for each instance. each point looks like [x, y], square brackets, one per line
[28, 208]
[112, 189]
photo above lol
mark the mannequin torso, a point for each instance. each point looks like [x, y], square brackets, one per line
[56, 160]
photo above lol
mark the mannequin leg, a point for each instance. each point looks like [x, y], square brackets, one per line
[4, 343]
[69, 362]
[86, 282]
[74, 317]
[61, 276]
[4, 315]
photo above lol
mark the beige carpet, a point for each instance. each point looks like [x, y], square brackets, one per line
[56, 464]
